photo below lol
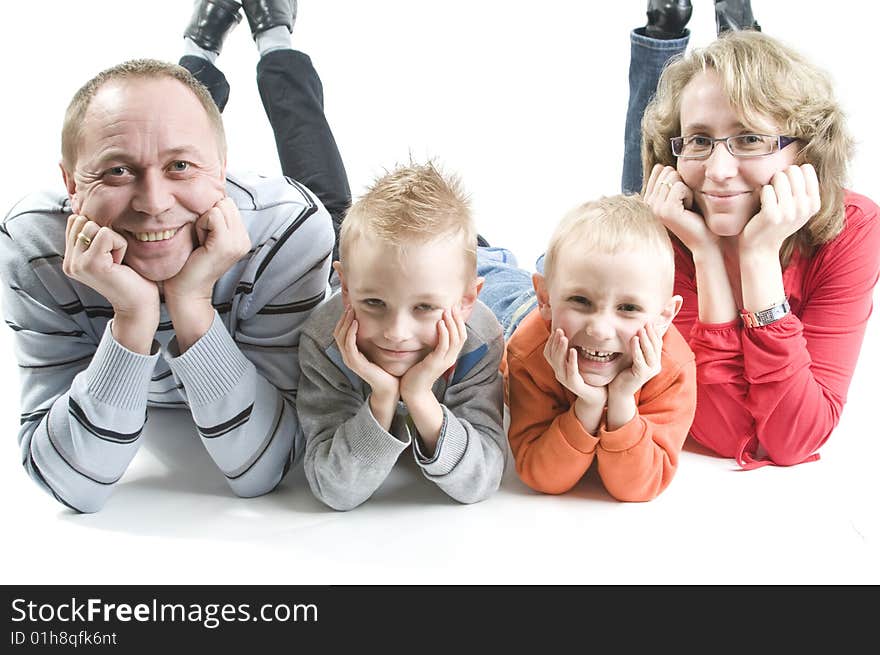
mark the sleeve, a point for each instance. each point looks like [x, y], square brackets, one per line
[241, 387]
[799, 369]
[551, 448]
[784, 385]
[347, 453]
[83, 405]
[471, 453]
[638, 460]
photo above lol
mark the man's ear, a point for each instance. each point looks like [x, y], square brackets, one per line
[540, 284]
[469, 299]
[337, 266]
[670, 311]
[70, 185]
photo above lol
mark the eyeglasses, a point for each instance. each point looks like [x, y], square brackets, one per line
[741, 145]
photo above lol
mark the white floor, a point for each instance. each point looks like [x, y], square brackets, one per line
[528, 104]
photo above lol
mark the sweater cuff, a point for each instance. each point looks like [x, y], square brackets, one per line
[211, 367]
[118, 376]
[371, 444]
[775, 352]
[574, 433]
[623, 438]
[450, 447]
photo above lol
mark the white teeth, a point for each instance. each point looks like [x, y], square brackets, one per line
[596, 355]
[154, 236]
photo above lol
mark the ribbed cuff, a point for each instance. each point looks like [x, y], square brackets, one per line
[211, 367]
[118, 376]
[450, 448]
[370, 443]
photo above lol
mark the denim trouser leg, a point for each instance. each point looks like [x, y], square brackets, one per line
[507, 289]
[648, 56]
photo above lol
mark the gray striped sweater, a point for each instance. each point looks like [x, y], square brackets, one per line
[84, 397]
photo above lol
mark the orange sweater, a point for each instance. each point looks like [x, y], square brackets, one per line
[552, 449]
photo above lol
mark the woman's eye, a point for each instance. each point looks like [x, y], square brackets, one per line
[373, 302]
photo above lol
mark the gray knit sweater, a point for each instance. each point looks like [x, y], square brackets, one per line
[84, 397]
[348, 454]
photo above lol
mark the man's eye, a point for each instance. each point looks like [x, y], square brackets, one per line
[179, 166]
[116, 171]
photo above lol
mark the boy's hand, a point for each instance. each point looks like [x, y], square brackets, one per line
[345, 335]
[787, 203]
[671, 201]
[646, 348]
[451, 333]
[564, 362]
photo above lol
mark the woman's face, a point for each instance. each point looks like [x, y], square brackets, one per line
[727, 189]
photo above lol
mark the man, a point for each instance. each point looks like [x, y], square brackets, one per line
[156, 251]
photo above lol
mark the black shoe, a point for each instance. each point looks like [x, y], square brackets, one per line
[733, 15]
[667, 18]
[263, 14]
[211, 21]
[482, 242]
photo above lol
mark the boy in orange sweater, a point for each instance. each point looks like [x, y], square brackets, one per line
[597, 372]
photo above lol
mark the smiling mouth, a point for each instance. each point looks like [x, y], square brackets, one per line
[162, 235]
[601, 356]
[724, 196]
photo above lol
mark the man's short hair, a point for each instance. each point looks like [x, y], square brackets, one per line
[414, 203]
[129, 70]
[611, 224]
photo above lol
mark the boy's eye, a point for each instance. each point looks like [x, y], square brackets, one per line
[424, 307]
[579, 300]
[629, 307]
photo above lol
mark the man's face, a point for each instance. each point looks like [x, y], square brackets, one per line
[398, 297]
[601, 300]
[147, 166]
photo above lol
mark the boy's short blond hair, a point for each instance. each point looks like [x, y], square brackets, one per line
[611, 224]
[414, 203]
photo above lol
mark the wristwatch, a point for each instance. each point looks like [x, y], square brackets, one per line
[765, 316]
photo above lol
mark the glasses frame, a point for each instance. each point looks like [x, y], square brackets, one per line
[677, 142]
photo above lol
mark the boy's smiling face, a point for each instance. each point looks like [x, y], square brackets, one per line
[399, 295]
[600, 301]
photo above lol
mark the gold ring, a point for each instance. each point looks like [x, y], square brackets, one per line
[82, 238]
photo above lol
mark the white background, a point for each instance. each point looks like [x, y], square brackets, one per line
[527, 102]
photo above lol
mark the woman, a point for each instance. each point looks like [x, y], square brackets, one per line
[746, 154]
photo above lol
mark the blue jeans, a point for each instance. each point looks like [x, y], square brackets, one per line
[507, 290]
[647, 59]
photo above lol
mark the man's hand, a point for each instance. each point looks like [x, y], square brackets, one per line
[646, 348]
[790, 200]
[98, 265]
[223, 241]
[671, 201]
[385, 387]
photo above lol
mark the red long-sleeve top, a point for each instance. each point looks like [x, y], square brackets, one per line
[774, 394]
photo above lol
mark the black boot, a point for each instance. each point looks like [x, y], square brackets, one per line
[734, 15]
[263, 14]
[210, 76]
[211, 21]
[667, 18]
